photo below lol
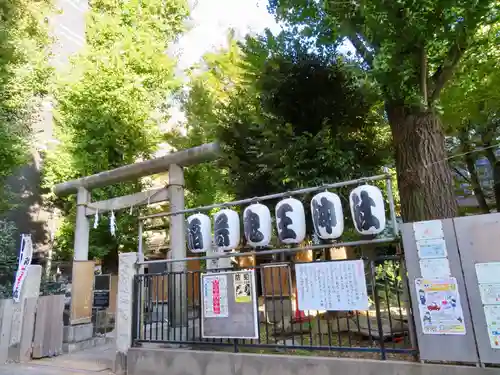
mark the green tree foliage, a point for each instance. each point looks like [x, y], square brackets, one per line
[411, 50]
[471, 112]
[8, 258]
[286, 118]
[23, 80]
[111, 105]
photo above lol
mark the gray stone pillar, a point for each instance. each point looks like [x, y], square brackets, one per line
[81, 245]
[177, 281]
[127, 269]
[23, 316]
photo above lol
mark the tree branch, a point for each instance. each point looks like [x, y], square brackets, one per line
[358, 43]
[459, 172]
[446, 70]
[423, 75]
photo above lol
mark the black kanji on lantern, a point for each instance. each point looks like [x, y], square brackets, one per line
[324, 215]
[251, 225]
[284, 232]
[221, 229]
[363, 216]
[195, 238]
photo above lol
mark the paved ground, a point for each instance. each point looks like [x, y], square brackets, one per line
[92, 361]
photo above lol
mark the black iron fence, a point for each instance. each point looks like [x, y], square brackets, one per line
[168, 310]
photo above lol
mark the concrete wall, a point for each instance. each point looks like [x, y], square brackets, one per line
[143, 361]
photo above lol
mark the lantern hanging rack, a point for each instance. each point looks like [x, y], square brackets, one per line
[287, 194]
[287, 250]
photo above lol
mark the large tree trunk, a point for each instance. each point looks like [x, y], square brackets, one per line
[424, 177]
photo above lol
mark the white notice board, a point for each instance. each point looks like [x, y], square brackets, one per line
[333, 286]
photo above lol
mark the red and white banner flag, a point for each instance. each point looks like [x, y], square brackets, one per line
[25, 256]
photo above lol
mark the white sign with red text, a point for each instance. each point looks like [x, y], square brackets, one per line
[25, 256]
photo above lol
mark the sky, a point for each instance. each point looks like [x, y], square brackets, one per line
[211, 20]
[209, 26]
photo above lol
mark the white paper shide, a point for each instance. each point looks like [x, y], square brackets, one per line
[327, 215]
[257, 225]
[367, 209]
[290, 221]
[199, 233]
[226, 230]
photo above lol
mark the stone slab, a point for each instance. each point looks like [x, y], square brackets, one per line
[6, 311]
[78, 333]
[145, 361]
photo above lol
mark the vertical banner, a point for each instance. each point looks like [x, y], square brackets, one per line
[25, 256]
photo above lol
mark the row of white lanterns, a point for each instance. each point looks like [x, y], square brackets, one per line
[367, 209]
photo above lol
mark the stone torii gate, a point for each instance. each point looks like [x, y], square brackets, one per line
[173, 192]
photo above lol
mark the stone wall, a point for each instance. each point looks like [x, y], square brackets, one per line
[144, 361]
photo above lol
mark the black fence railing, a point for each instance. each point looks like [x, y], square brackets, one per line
[168, 310]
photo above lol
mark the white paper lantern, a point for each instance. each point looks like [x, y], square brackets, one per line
[327, 215]
[226, 230]
[367, 209]
[257, 225]
[291, 221]
[199, 236]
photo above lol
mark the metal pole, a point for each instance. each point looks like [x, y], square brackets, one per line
[376, 299]
[268, 197]
[392, 208]
[277, 251]
[139, 247]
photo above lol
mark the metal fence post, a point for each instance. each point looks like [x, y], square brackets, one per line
[135, 308]
[376, 299]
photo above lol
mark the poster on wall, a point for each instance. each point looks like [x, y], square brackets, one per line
[428, 230]
[439, 305]
[431, 249]
[488, 273]
[242, 288]
[435, 268]
[490, 294]
[492, 314]
[333, 286]
[215, 304]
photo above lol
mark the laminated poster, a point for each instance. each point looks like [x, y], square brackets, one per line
[215, 304]
[435, 268]
[429, 249]
[490, 294]
[492, 314]
[428, 230]
[439, 306]
[488, 273]
[333, 286]
[242, 287]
